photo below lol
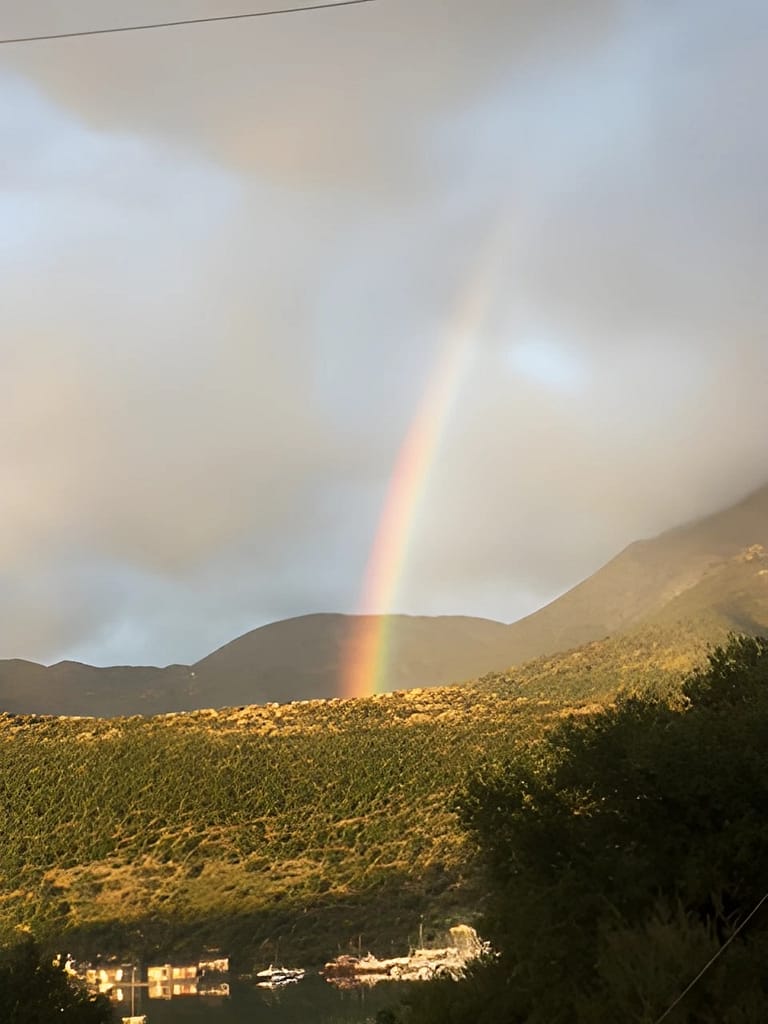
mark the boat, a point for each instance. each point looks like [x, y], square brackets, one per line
[276, 976]
[420, 965]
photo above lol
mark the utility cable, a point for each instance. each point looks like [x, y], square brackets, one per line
[711, 960]
[187, 21]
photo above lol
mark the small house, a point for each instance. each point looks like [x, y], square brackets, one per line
[167, 980]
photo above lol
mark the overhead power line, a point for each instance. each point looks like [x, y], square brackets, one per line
[711, 960]
[187, 21]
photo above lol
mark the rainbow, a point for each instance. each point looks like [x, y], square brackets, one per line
[366, 654]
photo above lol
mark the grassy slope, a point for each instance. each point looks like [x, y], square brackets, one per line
[310, 824]
[307, 824]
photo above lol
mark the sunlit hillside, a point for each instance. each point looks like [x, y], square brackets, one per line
[308, 824]
[316, 825]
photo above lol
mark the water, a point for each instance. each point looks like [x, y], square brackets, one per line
[310, 1001]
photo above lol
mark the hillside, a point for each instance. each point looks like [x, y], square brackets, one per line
[305, 825]
[306, 656]
[643, 579]
[685, 575]
[309, 824]
[730, 597]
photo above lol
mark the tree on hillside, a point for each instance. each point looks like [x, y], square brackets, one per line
[622, 853]
[34, 991]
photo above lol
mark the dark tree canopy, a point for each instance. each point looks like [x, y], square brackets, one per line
[621, 853]
[34, 991]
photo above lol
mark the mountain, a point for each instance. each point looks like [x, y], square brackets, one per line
[312, 650]
[659, 650]
[295, 659]
[71, 688]
[701, 578]
[731, 596]
[644, 579]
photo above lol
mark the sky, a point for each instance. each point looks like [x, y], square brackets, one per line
[231, 259]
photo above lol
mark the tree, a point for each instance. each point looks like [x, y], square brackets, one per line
[34, 991]
[621, 853]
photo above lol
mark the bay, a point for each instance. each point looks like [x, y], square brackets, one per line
[310, 1001]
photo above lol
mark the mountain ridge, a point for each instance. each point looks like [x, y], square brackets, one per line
[643, 577]
[304, 657]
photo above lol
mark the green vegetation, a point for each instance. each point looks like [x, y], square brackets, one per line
[313, 825]
[34, 991]
[622, 851]
[311, 828]
[657, 658]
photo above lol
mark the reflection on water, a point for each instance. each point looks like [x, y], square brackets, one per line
[311, 1001]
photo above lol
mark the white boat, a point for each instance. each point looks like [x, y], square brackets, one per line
[274, 976]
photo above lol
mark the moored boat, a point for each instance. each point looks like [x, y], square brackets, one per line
[274, 976]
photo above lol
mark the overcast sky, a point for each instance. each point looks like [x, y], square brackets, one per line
[229, 255]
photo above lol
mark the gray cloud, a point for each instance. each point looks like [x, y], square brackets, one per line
[330, 97]
[227, 274]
